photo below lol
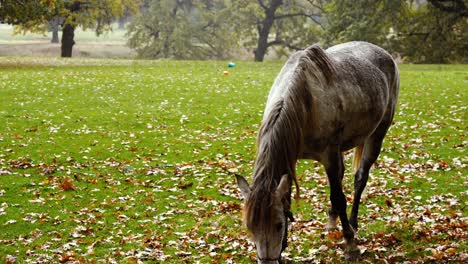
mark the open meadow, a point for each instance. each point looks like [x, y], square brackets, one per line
[120, 161]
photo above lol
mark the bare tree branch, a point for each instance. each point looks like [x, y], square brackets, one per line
[451, 6]
[319, 5]
[295, 15]
[283, 43]
[260, 2]
[310, 16]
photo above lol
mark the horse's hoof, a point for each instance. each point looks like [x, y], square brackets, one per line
[352, 253]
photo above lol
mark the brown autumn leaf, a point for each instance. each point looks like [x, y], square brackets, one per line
[184, 186]
[67, 185]
[66, 257]
[335, 235]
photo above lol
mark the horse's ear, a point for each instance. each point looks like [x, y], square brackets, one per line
[283, 186]
[243, 186]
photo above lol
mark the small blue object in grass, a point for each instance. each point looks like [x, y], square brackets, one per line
[231, 64]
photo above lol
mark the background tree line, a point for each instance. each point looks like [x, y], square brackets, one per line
[432, 31]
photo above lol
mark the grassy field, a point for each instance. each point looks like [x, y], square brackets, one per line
[113, 161]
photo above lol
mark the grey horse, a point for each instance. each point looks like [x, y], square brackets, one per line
[321, 104]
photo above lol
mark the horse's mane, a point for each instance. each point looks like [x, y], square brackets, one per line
[280, 136]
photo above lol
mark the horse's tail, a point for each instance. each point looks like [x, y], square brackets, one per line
[357, 157]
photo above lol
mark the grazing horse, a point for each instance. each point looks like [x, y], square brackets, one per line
[321, 104]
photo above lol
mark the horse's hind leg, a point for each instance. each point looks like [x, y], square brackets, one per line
[372, 147]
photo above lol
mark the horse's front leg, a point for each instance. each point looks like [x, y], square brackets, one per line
[335, 170]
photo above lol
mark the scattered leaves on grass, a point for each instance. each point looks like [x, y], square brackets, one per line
[148, 174]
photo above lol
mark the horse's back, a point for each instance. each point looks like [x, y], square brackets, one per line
[364, 51]
[362, 98]
[367, 61]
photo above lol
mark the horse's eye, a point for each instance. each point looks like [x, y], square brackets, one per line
[279, 227]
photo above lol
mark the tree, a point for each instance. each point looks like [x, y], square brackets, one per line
[292, 24]
[54, 26]
[457, 7]
[423, 32]
[433, 35]
[18, 12]
[34, 15]
[182, 29]
[367, 20]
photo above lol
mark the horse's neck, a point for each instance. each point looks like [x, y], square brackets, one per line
[273, 161]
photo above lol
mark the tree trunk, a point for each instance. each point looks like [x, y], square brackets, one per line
[55, 37]
[54, 25]
[68, 35]
[264, 29]
[262, 45]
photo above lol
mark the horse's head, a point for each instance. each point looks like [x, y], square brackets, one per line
[267, 219]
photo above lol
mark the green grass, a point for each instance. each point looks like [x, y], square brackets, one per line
[121, 160]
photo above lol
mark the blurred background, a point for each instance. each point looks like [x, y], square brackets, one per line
[414, 31]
